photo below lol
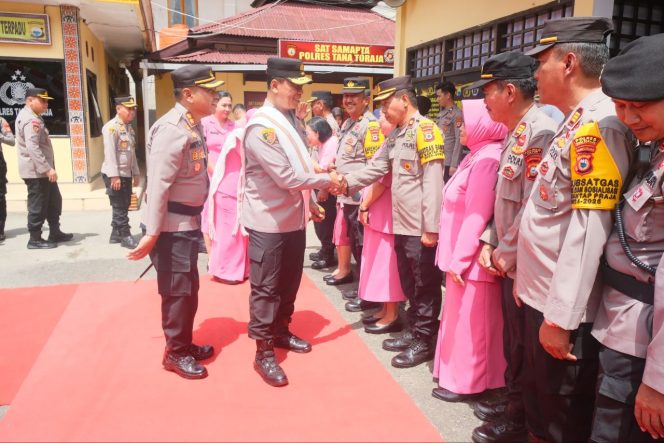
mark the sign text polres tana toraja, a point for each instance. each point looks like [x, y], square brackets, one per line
[341, 53]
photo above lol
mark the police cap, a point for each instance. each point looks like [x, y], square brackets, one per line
[195, 75]
[506, 66]
[635, 73]
[573, 30]
[387, 88]
[321, 95]
[355, 85]
[126, 101]
[288, 68]
[38, 92]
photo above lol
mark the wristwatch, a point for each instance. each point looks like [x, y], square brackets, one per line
[364, 210]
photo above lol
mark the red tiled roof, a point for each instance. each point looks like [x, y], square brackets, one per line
[214, 56]
[295, 21]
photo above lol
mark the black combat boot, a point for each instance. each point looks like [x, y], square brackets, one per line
[399, 343]
[37, 242]
[266, 364]
[127, 241]
[2, 231]
[183, 364]
[420, 350]
[115, 236]
[292, 342]
[56, 235]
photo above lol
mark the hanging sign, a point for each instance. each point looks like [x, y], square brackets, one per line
[25, 28]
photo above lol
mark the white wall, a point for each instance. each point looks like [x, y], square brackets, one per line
[208, 10]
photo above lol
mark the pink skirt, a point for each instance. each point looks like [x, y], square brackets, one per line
[340, 234]
[469, 354]
[228, 256]
[379, 274]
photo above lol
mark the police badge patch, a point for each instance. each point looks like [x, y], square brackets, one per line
[269, 136]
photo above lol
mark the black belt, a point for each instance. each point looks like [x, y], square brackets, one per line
[628, 285]
[182, 209]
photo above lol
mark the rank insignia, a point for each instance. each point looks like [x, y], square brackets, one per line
[517, 149]
[519, 130]
[508, 172]
[575, 118]
[190, 119]
[544, 168]
[269, 136]
[544, 194]
[560, 142]
[410, 135]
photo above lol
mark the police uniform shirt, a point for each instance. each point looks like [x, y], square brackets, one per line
[6, 134]
[564, 228]
[414, 154]
[450, 121]
[119, 149]
[177, 172]
[272, 201]
[33, 145]
[653, 375]
[358, 142]
[522, 152]
[623, 323]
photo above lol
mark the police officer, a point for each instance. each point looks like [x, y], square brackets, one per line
[450, 119]
[414, 153]
[36, 166]
[322, 103]
[509, 89]
[629, 406]
[6, 137]
[273, 210]
[176, 190]
[120, 168]
[564, 227]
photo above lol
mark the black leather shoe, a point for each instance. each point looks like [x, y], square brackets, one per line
[293, 343]
[183, 365]
[490, 411]
[349, 295]
[376, 328]
[357, 305]
[128, 242]
[115, 237]
[502, 431]
[449, 396]
[201, 352]
[59, 236]
[323, 263]
[266, 364]
[315, 256]
[41, 244]
[418, 352]
[3, 237]
[348, 278]
[399, 343]
[370, 319]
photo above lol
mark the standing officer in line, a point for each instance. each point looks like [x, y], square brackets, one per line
[450, 119]
[509, 90]
[36, 166]
[6, 137]
[177, 187]
[359, 138]
[629, 406]
[322, 103]
[120, 168]
[274, 210]
[414, 153]
[564, 228]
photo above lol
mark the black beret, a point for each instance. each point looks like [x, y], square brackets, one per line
[355, 85]
[288, 68]
[38, 92]
[506, 66]
[126, 101]
[195, 75]
[388, 87]
[573, 30]
[636, 73]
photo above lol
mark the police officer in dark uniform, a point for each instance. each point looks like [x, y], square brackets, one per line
[6, 137]
[120, 168]
[177, 187]
[629, 405]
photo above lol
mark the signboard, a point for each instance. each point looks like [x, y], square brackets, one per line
[17, 75]
[321, 53]
[25, 28]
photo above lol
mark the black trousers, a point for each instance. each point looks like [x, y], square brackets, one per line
[513, 349]
[618, 382]
[420, 280]
[275, 272]
[355, 231]
[325, 228]
[44, 203]
[120, 201]
[175, 257]
[3, 193]
[559, 395]
[446, 174]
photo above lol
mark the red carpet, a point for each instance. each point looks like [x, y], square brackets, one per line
[99, 376]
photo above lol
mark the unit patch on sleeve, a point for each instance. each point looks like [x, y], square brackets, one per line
[429, 142]
[533, 158]
[373, 139]
[268, 135]
[596, 180]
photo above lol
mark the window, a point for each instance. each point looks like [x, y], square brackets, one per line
[633, 19]
[428, 61]
[470, 50]
[523, 32]
[183, 12]
[94, 112]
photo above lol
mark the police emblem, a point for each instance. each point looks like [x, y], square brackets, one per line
[375, 133]
[585, 147]
[544, 168]
[458, 122]
[410, 135]
[584, 164]
[407, 166]
[427, 130]
[508, 172]
[269, 136]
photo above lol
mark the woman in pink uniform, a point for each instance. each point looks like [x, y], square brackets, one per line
[216, 128]
[469, 355]
[379, 275]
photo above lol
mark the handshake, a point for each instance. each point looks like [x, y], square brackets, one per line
[339, 184]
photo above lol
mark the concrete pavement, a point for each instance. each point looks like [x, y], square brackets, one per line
[89, 257]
